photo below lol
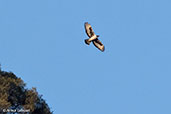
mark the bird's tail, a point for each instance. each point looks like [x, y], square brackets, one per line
[87, 41]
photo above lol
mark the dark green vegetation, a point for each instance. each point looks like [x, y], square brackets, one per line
[14, 97]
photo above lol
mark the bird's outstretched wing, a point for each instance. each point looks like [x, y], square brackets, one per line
[89, 29]
[98, 44]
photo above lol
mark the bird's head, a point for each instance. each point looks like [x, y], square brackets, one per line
[97, 35]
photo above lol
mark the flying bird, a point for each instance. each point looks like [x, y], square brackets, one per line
[93, 37]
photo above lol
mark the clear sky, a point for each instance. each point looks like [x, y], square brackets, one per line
[42, 41]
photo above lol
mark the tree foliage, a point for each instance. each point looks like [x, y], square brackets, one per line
[14, 98]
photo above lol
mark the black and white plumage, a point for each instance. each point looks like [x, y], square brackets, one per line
[93, 37]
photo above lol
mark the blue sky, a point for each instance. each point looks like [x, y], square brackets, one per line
[42, 41]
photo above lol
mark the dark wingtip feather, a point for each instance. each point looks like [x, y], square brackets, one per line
[87, 42]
